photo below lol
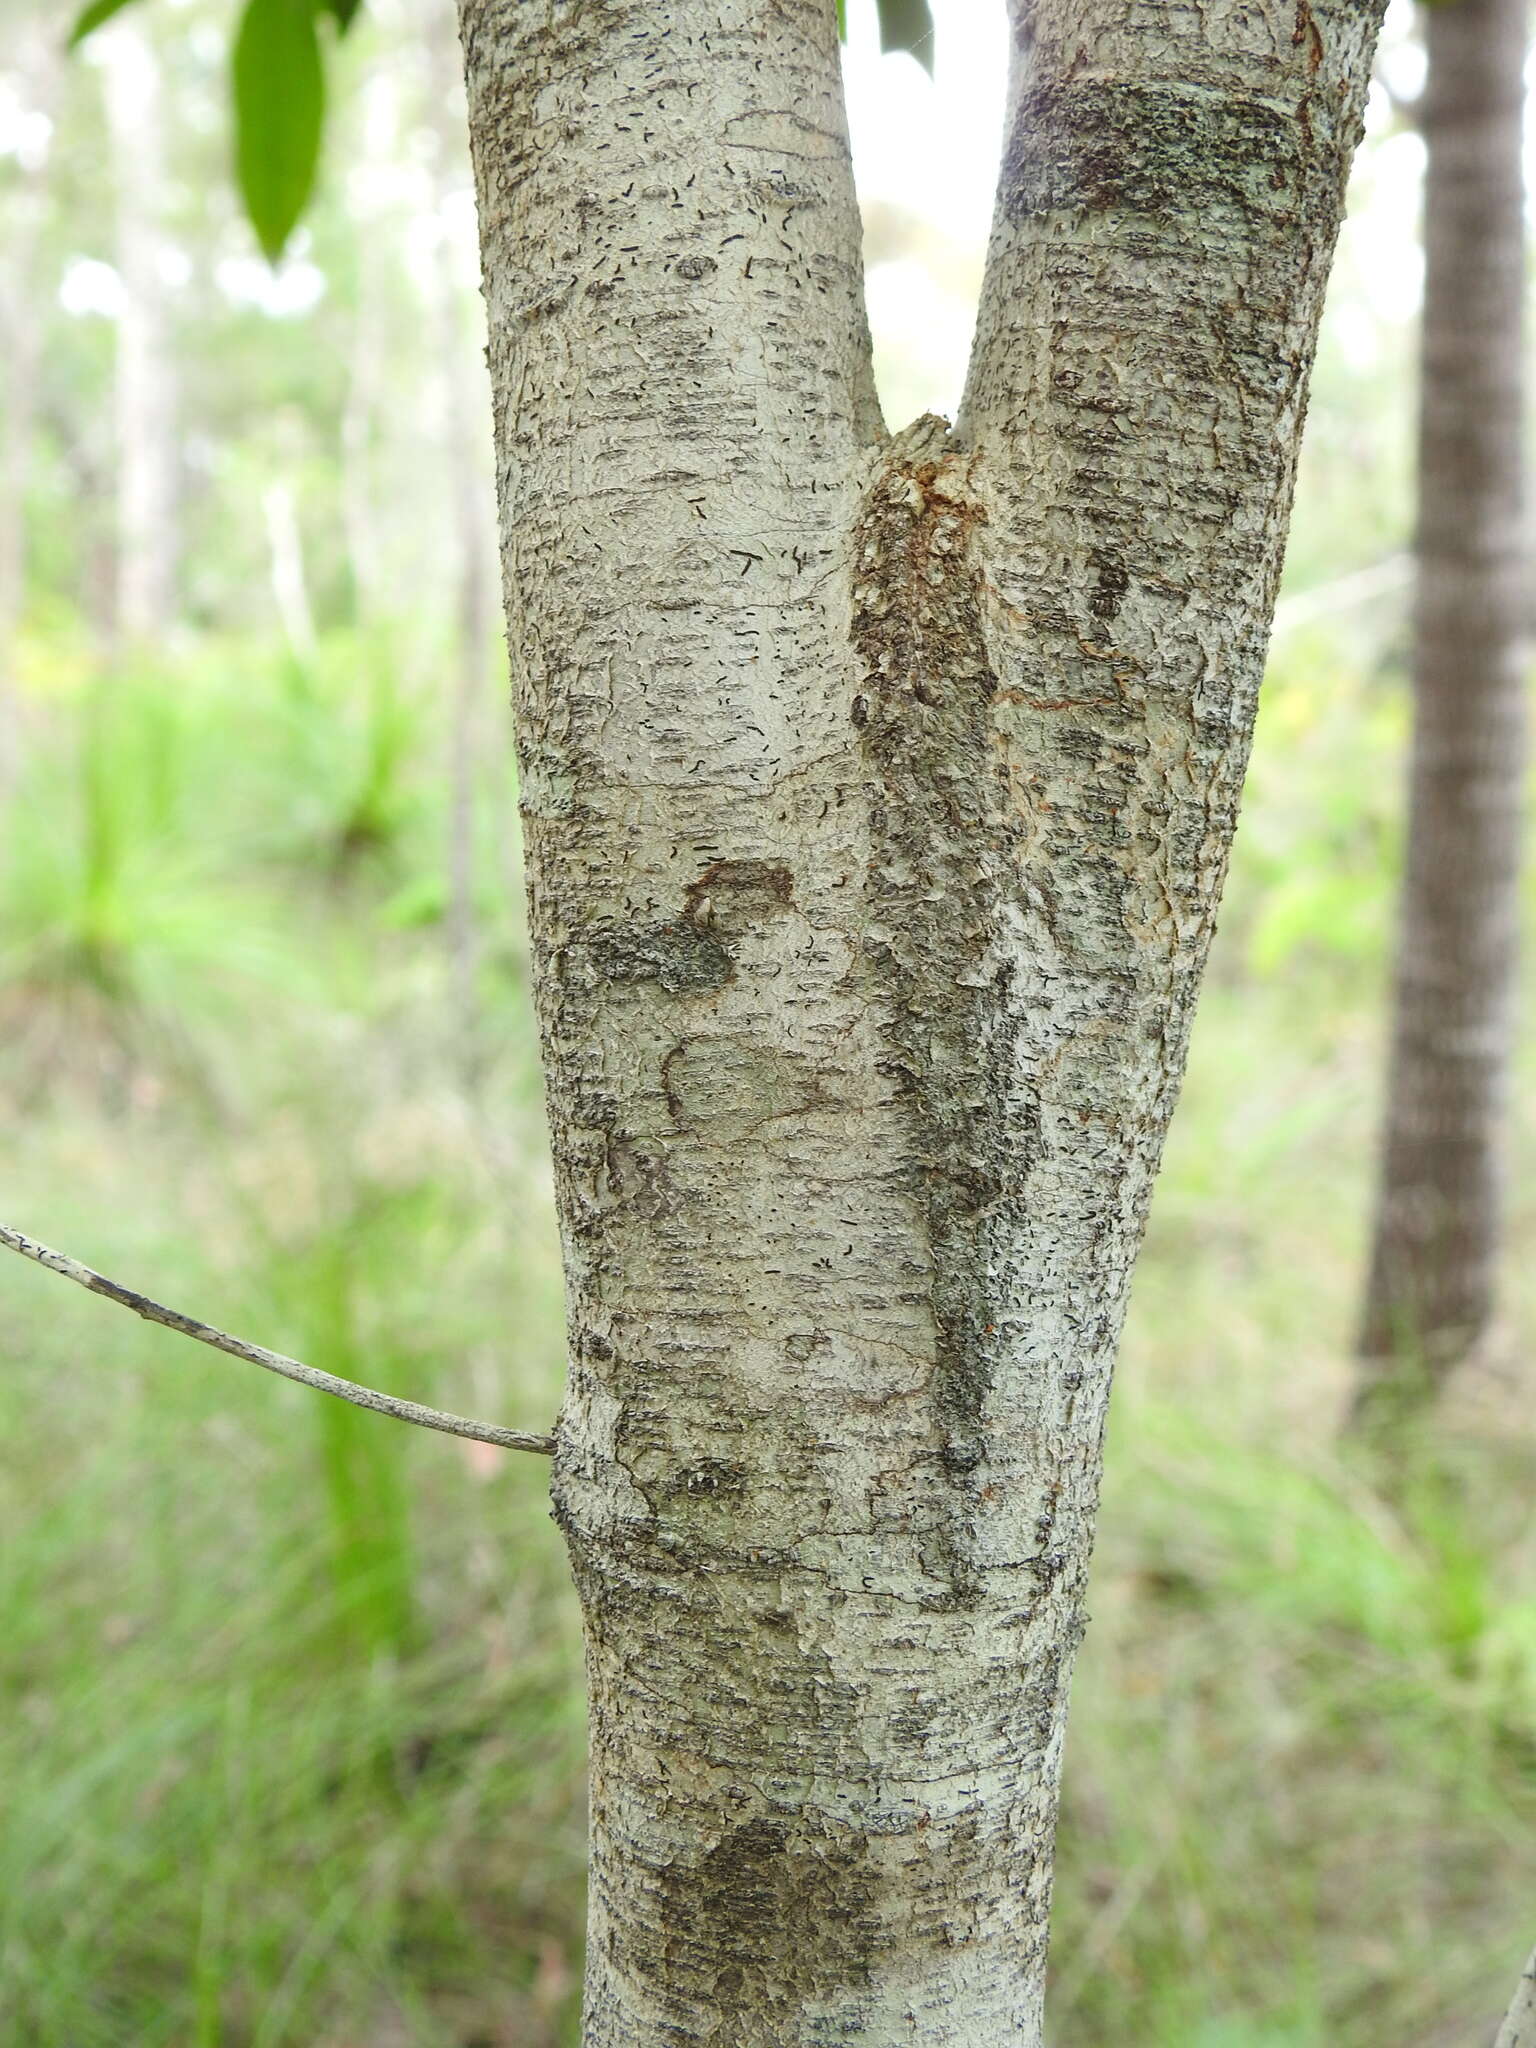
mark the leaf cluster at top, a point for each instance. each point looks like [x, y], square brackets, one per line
[278, 89]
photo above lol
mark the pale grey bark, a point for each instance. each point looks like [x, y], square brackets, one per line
[1519, 2028]
[1436, 1236]
[877, 796]
[145, 397]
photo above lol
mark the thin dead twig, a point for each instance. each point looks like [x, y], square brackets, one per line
[273, 1361]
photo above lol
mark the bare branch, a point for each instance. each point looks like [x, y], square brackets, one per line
[274, 1361]
[1519, 2028]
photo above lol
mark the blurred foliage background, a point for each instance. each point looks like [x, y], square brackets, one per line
[290, 1716]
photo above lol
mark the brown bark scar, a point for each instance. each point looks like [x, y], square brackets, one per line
[1306, 25]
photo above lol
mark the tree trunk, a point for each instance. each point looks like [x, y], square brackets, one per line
[1519, 2028]
[21, 339]
[1431, 1284]
[146, 432]
[877, 796]
[290, 583]
[366, 371]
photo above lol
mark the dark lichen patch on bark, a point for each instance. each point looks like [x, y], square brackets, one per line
[1152, 150]
[678, 955]
[689, 955]
[1112, 582]
[637, 1173]
[733, 894]
[786, 1915]
[783, 1912]
[941, 833]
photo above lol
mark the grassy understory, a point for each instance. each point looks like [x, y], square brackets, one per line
[291, 1730]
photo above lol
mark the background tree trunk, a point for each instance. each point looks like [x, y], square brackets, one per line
[877, 797]
[146, 432]
[366, 370]
[473, 556]
[290, 581]
[21, 336]
[1431, 1284]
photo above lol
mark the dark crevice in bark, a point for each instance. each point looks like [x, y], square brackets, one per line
[1140, 149]
[942, 851]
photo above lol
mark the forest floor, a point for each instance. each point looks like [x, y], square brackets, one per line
[290, 1718]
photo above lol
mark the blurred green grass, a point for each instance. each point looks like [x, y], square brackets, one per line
[291, 1729]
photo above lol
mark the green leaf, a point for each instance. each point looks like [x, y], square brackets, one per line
[92, 17]
[344, 11]
[908, 25]
[279, 112]
[842, 20]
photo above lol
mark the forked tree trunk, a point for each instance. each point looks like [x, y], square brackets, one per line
[1431, 1284]
[877, 795]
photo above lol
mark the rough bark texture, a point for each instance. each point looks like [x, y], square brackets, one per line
[1430, 1291]
[1519, 2028]
[877, 796]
